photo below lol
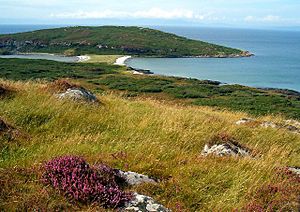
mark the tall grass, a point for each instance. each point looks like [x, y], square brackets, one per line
[147, 136]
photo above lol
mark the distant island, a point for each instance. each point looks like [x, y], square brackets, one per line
[113, 40]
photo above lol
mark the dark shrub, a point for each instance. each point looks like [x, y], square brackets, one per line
[61, 85]
[85, 184]
[5, 91]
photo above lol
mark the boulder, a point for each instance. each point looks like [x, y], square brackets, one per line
[290, 125]
[269, 124]
[225, 149]
[78, 94]
[245, 121]
[144, 204]
[295, 170]
[133, 178]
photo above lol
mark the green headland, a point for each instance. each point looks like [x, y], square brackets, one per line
[110, 40]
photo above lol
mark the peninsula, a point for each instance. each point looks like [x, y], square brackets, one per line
[112, 40]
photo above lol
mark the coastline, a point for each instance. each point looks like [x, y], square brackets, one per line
[121, 60]
[83, 58]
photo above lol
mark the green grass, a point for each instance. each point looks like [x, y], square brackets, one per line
[105, 77]
[110, 59]
[114, 41]
[205, 93]
[45, 69]
[147, 136]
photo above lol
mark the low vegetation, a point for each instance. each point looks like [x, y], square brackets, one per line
[147, 136]
[93, 184]
[104, 77]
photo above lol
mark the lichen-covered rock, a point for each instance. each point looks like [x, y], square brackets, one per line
[144, 204]
[295, 170]
[225, 149]
[290, 125]
[78, 94]
[244, 121]
[269, 124]
[293, 123]
[133, 178]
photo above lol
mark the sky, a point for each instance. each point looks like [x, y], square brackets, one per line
[226, 13]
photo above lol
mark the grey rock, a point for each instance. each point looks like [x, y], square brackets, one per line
[293, 123]
[244, 121]
[269, 124]
[290, 125]
[133, 178]
[226, 149]
[144, 204]
[78, 94]
[295, 170]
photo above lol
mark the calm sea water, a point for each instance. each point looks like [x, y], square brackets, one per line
[276, 63]
[43, 57]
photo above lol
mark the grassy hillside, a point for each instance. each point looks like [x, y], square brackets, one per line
[111, 40]
[147, 136]
[107, 78]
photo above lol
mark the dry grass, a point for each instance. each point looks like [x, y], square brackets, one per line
[142, 135]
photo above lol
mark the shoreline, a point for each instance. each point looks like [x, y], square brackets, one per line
[137, 71]
[83, 58]
[121, 60]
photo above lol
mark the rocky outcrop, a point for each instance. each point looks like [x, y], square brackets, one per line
[238, 55]
[270, 124]
[137, 71]
[289, 125]
[295, 170]
[133, 178]
[78, 94]
[144, 203]
[245, 121]
[225, 149]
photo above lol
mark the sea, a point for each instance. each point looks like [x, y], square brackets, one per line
[276, 63]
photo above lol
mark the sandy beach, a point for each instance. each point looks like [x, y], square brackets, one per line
[121, 61]
[83, 58]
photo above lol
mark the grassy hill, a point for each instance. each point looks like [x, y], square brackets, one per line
[147, 136]
[112, 40]
[108, 78]
[153, 125]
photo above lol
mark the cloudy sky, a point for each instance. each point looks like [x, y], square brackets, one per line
[234, 13]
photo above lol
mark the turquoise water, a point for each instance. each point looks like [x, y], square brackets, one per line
[276, 63]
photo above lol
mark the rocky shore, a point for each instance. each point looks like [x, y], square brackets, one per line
[243, 54]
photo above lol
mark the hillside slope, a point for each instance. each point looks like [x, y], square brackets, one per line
[112, 40]
[158, 139]
[108, 78]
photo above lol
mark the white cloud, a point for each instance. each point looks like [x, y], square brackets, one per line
[154, 13]
[268, 18]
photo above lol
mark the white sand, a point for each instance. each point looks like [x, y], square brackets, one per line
[83, 58]
[121, 60]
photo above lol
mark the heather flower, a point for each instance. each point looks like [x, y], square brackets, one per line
[78, 181]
